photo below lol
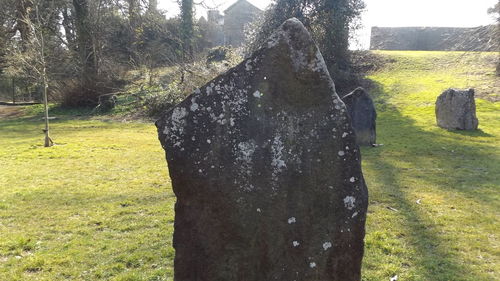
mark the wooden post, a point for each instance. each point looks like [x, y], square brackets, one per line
[13, 90]
[28, 93]
[48, 141]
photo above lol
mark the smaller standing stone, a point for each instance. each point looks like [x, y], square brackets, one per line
[107, 102]
[456, 110]
[363, 115]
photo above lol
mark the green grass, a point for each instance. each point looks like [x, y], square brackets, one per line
[99, 205]
[453, 233]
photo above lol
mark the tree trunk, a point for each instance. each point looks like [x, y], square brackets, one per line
[48, 141]
[133, 16]
[22, 13]
[85, 44]
[187, 29]
[13, 90]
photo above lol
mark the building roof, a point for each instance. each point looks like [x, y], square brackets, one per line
[240, 2]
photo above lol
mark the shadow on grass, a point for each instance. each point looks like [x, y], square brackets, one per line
[25, 127]
[475, 133]
[28, 127]
[453, 163]
[36, 113]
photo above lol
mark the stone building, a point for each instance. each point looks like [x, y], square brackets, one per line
[228, 29]
[236, 17]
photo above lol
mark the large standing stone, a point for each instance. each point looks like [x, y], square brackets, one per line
[456, 110]
[363, 115]
[266, 170]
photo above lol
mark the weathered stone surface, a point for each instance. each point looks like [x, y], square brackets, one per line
[456, 110]
[266, 171]
[363, 115]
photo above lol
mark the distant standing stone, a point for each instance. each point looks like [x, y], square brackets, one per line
[266, 170]
[107, 102]
[363, 115]
[456, 110]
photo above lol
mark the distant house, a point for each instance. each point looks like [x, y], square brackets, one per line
[229, 29]
[236, 17]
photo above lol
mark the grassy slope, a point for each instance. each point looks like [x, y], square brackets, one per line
[100, 207]
[453, 233]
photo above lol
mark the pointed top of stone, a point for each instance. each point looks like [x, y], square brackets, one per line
[303, 52]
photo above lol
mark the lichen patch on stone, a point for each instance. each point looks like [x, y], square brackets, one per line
[245, 151]
[349, 202]
[277, 153]
[194, 106]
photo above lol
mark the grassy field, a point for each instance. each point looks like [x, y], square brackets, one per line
[99, 205]
[434, 194]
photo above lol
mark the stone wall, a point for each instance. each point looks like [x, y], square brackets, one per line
[434, 38]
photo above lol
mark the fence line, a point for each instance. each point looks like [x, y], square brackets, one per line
[18, 90]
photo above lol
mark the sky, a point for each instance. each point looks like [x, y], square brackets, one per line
[386, 13]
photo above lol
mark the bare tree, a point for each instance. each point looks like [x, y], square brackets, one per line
[30, 55]
[39, 38]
